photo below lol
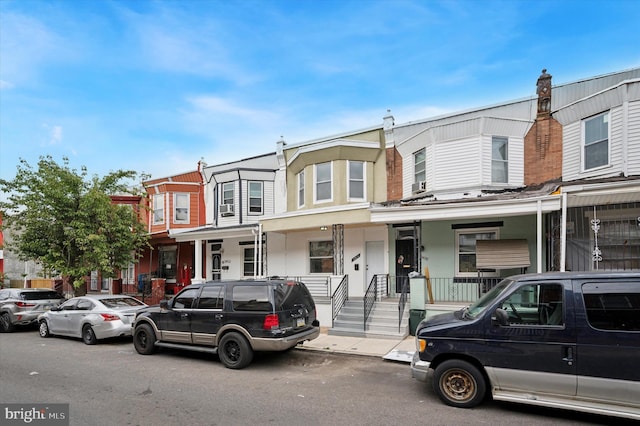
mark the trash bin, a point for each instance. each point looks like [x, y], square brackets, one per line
[415, 316]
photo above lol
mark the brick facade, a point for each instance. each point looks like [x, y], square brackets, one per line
[394, 174]
[543, 151]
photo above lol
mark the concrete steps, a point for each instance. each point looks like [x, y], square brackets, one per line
[382, 322]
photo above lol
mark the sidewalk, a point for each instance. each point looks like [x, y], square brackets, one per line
[390, 349]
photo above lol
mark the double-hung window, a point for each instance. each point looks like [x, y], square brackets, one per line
[356, 180]
[255, 198]
[158, 209]
[466, 249]
[323, 177]
[596, 141]
[419, 170]
[181, 208]
[227, 193]
[321, 257]
[301, 189]
[499, 159]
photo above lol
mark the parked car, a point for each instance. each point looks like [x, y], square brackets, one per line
[21, 306]
[91, 317]
[564, 340]
[232, 319]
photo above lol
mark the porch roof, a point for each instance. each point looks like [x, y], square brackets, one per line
[211, 233]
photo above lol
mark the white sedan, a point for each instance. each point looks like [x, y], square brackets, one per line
[91, 317]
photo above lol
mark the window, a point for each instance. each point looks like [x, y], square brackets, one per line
[212, 297]
[186, 298]
[536, 304]
[323, 181]
[227, 193]
[251, 298]
[321, 257]
[128, 274]
[255, 198]
[301, 189]
[158, 209]
[249, 257]
[466, 249]
[181, 208]
[356, 180]
[613, 306]
[499, 160]
[419, 171]
[596, 141]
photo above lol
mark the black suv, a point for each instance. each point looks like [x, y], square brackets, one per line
[230, 318]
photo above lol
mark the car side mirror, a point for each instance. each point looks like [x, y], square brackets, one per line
[500, 316]
[164, 304]
[56, 308]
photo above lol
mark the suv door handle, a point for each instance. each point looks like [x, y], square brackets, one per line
[184, 315]
[568, 355]
[218, 316]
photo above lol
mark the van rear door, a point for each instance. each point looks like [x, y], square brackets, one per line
[609, 341]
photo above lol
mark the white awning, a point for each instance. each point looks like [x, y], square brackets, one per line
[502, 254]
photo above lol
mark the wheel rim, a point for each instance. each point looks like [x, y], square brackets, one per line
[43, 329]
[88, 334]
[4, 321]
[458, 385]
[142, 339]
[232, 351]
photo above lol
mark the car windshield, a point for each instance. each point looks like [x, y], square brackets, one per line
[39, 295]
[121, 302]
[481, 304]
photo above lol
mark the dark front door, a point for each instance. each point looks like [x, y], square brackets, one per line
[216, 266]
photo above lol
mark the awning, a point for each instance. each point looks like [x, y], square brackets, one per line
[502, 254]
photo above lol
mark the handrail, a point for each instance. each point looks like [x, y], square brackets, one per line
[403, 300]
[370, 297]
[339, 298]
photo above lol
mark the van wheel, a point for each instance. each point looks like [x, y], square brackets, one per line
[144, 339]
[234, 351]
[459, 384]
[88, 336]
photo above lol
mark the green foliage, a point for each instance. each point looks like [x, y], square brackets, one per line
[68, 223]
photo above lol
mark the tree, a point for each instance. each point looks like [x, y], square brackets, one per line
[68, 222]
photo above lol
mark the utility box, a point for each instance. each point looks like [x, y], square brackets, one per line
[417, 288]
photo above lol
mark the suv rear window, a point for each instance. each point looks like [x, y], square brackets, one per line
[251, 298]
[39, 295]
[613, 306]
[291, 293]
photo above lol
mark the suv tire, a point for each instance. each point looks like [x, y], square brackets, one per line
[234, 351]
[5, 323]
[144, 339]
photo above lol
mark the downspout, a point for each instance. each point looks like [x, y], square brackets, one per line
[539, 237]
[260, 259]
[563, 233]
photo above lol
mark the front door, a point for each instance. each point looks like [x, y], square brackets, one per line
[175, 323]
[216, 266]
[375, 263]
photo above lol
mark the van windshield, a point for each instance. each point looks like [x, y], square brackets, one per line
[487, 299]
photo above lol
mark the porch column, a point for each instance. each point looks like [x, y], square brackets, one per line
[539, 237]
[198, 277]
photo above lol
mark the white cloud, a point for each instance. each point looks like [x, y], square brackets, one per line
[5, 85]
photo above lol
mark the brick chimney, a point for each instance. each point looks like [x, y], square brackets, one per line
[394, 161]
[543, 142]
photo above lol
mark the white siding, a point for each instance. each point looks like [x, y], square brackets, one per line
[457, 164]
[571, 151]
[633, 138]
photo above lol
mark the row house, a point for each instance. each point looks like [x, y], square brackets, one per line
[175, 203]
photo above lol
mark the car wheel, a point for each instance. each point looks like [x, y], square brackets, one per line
[5, 323]
[459, 384]
[88, 336]
[144, 339]
[44, 329]
[234, 351]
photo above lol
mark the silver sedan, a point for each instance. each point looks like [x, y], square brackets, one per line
[91, 317]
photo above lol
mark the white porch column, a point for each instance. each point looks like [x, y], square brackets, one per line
[198, 277]
[563, 232]
[539, 237]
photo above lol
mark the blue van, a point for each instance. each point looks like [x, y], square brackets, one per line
[564, 340]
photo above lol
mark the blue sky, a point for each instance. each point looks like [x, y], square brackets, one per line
[154, 86]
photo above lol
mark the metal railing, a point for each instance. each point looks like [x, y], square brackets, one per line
[339, 298]
[404, 291]
[370, 297]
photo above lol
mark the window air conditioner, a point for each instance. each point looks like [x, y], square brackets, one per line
[226, 209]
[420, 186]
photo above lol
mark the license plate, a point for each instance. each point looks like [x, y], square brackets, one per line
[299, 322]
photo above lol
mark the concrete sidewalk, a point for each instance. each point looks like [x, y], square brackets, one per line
[391, 349]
